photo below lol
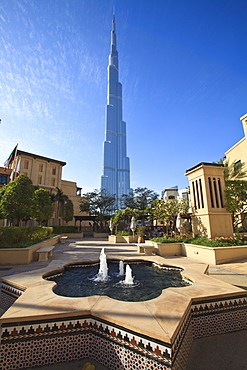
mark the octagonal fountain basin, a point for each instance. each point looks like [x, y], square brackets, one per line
[134, 281]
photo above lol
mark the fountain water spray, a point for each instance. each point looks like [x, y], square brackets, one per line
[128, 276]
[121, 268]
[103, 269]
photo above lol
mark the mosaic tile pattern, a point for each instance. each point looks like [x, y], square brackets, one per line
[208, 318]
[37, 343]
[8, 295]
[49, 342]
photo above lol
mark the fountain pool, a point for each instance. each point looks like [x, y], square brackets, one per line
[142, 280]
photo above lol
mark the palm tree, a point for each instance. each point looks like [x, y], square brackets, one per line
[59, 199]
[233, 171]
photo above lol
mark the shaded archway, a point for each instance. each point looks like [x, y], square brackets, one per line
[89, 219]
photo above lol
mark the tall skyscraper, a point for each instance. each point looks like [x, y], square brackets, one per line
[116, 166]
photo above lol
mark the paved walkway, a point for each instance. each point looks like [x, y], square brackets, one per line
[221, 352]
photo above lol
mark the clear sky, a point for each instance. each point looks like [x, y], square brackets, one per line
[182, 64]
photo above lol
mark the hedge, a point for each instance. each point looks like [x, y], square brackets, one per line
[18, 236]
[65, 229]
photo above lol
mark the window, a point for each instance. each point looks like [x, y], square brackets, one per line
[40, 167]
[53, 182]
[201, 193]
[216, 192]
[54, 171]
[211, 192]
[194, 194]
[3, 180]
[237, 167]
[26, 163]
[221, 195]
[237, 163]
[78, 192]
[197, 195]
[39, 179]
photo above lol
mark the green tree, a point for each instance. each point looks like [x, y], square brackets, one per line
[1, 210]
[17, 199]
[140, 199]
[167, 212]
[123, 217]
[98, 203]
[42, 208]
[68, 211]
[235, 192]
[59, 199]
[236, 200]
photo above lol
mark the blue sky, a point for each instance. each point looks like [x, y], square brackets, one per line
[182, 64]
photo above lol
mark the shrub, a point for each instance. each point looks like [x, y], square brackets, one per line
[179, 239]
[240, 230]
[65, 229]
[104, 231]
[124, 233]
[211, 242]
[18, 236]
[140, 230]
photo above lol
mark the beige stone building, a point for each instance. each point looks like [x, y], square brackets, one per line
[210, 218]
[238, 152]
[46, 173]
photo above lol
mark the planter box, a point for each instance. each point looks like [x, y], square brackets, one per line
[24, 256]
[74, 235]
[122, 239]
[100, 235]
[214, 256]
[168, 249]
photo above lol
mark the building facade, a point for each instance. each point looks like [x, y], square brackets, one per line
[115, 180]
[210, 218]
[238, 152]
[46, 173]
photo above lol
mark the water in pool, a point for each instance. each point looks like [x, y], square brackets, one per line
[145, 281]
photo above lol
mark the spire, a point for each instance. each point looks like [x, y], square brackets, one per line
[113, 57]
[113, 34]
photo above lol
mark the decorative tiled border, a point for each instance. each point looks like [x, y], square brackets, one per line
[206, 318]
[127, 344]
[47, 341]
[8, 294]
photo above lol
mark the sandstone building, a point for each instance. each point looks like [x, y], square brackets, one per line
[47, 174]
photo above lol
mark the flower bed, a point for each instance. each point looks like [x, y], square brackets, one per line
[202, 253]
[237, 240]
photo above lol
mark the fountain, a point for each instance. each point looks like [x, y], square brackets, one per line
[121, 268]
[106, 278]
[103, 269]
[128, 276]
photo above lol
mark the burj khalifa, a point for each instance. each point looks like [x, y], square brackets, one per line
[116, 165]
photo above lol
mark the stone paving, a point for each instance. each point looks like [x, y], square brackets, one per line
[231, 273]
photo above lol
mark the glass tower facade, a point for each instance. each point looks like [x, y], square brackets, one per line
[116, 165]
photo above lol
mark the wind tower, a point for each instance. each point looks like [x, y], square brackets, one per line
[116, 165]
